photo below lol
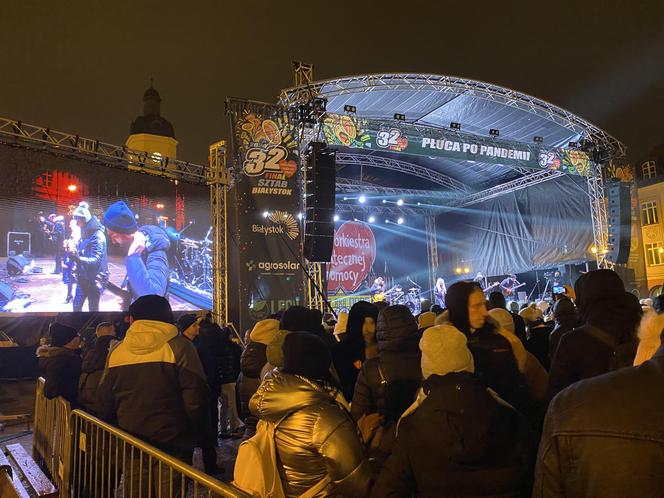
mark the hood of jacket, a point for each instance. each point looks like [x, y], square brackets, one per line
[157, 239]
[91, 227]
[650, 331]
[396, 329]
[283, 394]
[146, 336]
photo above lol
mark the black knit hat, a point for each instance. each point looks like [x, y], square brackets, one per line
[151, 307]
[61, 334]
[186, 321]
[306, 354]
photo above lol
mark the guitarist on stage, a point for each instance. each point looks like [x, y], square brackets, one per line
[146, 261]
[378, 290]
[509, 285]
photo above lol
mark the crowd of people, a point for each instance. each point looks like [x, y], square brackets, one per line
[481, 398]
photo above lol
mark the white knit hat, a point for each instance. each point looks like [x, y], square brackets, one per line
[445, 350]
[82, 211]
[503, 317]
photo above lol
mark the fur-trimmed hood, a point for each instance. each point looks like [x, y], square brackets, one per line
[649, 334]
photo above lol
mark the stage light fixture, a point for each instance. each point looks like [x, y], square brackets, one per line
[372, 219]
[345, 198]
[355, 219]
[72, 188]
[538, 139]
[573, 145]
[466, 270]
[399, 117]
[494, 132]
[387, 221]
[418, 203]
[593, 250]
[400, 221]
[265, 214]
[160, 205]
[362, 199]
[384, 201]
[336, 217]
[350, 108]
[299, 216]
[400, 202]
[455, 126]
[457, 270]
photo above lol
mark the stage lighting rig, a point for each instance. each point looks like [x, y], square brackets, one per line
[494, 132]
[399, 117]
[455, 126]
[350, 109]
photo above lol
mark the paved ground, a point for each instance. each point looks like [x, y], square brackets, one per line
[18, 397]
[45, 292]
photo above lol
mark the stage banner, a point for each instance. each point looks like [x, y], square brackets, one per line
[360, 133]
[268, 195]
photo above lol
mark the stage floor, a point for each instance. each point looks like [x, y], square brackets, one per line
[47, 292]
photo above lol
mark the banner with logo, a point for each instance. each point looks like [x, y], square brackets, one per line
[268, 196]
[352, 131]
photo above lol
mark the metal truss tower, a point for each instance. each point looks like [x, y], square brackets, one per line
[218, 180]
[432, 249]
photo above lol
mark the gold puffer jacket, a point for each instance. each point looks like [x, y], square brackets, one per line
[316, 436]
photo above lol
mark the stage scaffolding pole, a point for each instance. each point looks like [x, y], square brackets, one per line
[599, 216]
[432, 249]
[218, 181]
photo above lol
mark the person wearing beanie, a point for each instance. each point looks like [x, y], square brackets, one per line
[349, 354]
[425, 320]
[497, 300]
[90, 259]
[609, 318]
[315, 437]
[304, 319]
[60, 363]
[538, 332]
[458, 435]
[154, 387]
[189, 326]
[252, 361]
[146, 260]
[565, 318]
[387, 384]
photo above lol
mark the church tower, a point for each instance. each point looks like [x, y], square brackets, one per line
[151, 132]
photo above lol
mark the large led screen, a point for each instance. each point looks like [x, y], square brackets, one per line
[79, 236]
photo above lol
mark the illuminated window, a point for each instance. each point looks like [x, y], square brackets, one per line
[655, 254]
[649, 169]
[649, 213]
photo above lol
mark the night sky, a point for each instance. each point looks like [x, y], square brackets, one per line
[82, 67]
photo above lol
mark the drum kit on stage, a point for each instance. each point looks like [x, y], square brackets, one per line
[193, 263]
[411, 297]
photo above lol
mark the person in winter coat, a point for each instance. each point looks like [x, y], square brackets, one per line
[604, 306]
[146, 261]
[57, 238]
[316, 437]
[299, 318]
[566, 318]
[60, 363]
[90, 259]
[92, 367]
[387, 384]
[603, 436]
[154, 388]
[497, 300]
[458, 438]
[538, 333]
[350, 353]
[228, 370]
[252, 361]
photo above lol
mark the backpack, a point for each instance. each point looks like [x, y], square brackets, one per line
[256, 471]
[622, 354]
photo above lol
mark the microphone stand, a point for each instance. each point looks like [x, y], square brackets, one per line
[536, 286]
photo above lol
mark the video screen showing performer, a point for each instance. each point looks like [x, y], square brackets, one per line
[84, 237]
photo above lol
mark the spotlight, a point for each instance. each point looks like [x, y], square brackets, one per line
[265, 214]
[399, 117]
[350, 108]
[418, 203]
[494, 133]
[362, 199]
[466, 270]
[384, 201]
[387, 221]
[345, 198]
[400, 202]
[593, 250]
[72, 188]
[455, 126]
[400, 221]
[336, 217]
[457, 270]
[299, 216]
[372, 219]
[160, 205]
[538, 139]
[355, 219]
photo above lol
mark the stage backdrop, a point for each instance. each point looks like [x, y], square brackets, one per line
[267, 232]
[37, 186]
[365, 251]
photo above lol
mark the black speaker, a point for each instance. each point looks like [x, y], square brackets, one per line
[319, 203]
[620, 221]
[16, 264]
[6, 293]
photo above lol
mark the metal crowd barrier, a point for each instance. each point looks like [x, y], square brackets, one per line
[88, 458]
